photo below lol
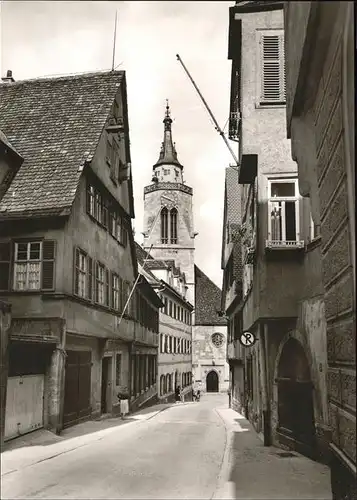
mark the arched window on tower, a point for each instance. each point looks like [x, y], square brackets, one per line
[164, 226]
[173, 224]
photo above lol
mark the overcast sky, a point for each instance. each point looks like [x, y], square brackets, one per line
[51, 38]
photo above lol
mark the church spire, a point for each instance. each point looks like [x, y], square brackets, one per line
[168, 154]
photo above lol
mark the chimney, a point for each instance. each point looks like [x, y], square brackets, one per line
[8, 78]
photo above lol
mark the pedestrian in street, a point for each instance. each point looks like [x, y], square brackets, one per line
[181, 396]
[177, 393]
[123, 404]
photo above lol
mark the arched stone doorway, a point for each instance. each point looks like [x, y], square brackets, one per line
[296, 421]
[212, 382]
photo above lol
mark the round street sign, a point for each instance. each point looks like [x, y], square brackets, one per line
[247, 339]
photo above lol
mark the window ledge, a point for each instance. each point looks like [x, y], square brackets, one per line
[311, 245]
[269, 106]
[25, 292]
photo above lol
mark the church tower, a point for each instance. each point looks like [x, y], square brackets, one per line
[168, 213]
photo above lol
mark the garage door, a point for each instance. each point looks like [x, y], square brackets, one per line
[24, 405]
[77, 396]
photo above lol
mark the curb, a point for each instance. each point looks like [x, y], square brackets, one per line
[225, 458]
[89, 441]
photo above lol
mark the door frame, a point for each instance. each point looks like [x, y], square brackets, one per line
[108, 357]
[217, 375]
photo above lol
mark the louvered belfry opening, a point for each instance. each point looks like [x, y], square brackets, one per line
[164, 226]
[173, 225]
[273, 84]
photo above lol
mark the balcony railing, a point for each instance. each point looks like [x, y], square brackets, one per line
[284, 245]
[168, 186]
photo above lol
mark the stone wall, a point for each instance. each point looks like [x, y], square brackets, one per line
[322, 106]
[207, 357]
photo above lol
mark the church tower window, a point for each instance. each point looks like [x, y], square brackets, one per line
[164, 225]
[173, 224]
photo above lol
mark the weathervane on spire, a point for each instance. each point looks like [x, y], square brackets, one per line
[168, 154]
[167, 115]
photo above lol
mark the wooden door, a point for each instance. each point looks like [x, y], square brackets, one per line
[105, 372]
[24, 405]
[77, 395]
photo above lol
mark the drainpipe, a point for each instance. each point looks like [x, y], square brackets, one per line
[263, 372]
[61, 373]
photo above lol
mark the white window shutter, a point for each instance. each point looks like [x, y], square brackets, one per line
[272, 69]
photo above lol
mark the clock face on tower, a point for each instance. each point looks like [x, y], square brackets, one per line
[169, 198]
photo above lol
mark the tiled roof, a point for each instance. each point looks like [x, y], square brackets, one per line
[258, 5]
[156, 264]
[207, 300]
[141, 255]
[6, 142]
[55, 124]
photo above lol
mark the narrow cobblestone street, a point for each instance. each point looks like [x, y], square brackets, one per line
[195, 450]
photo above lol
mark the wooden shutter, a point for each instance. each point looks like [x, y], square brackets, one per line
[120, 287]
[107, 282]
[90, 278]
[109, 150]
[75, 270]
[124, 233]
[48, 264]
[114, 169]
[112, 304]
[272, 69]
[5, 265]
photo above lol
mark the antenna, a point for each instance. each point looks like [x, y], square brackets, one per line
[115, 36]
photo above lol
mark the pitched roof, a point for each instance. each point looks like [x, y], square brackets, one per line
[258, 6]
[207, 300]
[55, 124]
[141, 255]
